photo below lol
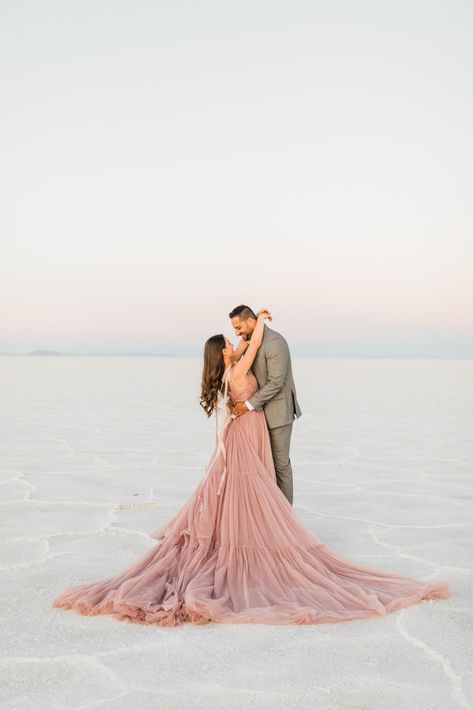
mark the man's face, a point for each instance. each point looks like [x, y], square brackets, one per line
[244, 329]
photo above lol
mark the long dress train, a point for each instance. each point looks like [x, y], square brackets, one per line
[237, 553]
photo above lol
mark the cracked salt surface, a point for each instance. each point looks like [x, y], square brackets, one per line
[97, 453]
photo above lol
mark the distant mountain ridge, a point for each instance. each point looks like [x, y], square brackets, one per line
[50, 353]
[46, 352]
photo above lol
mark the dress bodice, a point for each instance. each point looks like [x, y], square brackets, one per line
[244, 389]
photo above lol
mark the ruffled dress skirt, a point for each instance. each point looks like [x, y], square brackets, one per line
[236, 553]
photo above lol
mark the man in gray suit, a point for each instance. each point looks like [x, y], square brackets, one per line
[276, 395]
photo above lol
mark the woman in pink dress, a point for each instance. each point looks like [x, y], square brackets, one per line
[236, 552]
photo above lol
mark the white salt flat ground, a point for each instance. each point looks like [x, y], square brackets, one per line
[97, 452]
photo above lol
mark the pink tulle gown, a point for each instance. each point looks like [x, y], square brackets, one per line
[237, 553]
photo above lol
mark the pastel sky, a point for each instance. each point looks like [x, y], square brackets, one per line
[163, 162]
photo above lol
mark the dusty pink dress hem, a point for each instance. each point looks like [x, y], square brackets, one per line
[237, 553]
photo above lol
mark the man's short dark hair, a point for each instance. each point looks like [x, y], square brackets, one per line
[243, 312]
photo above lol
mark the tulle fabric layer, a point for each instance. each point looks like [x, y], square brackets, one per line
[244, 557]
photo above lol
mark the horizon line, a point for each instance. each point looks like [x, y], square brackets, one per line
[53, 353]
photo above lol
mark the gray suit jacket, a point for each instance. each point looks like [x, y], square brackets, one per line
[273, 370]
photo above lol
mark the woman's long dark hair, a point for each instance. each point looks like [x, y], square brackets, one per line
[212, 372]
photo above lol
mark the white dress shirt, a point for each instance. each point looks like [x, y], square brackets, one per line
[250, 406]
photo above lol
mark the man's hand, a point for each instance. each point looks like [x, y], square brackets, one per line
[240, 408]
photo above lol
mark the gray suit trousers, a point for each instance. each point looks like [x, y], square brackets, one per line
[280, 438]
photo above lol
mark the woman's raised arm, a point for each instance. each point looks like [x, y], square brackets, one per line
[239, 350]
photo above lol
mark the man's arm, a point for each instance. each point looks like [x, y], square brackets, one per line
[277, 359]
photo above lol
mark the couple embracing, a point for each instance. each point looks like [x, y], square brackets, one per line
[260, 380]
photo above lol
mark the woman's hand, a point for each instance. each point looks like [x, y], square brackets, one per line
[264, 313]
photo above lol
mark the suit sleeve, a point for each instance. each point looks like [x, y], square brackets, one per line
[277, 359]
